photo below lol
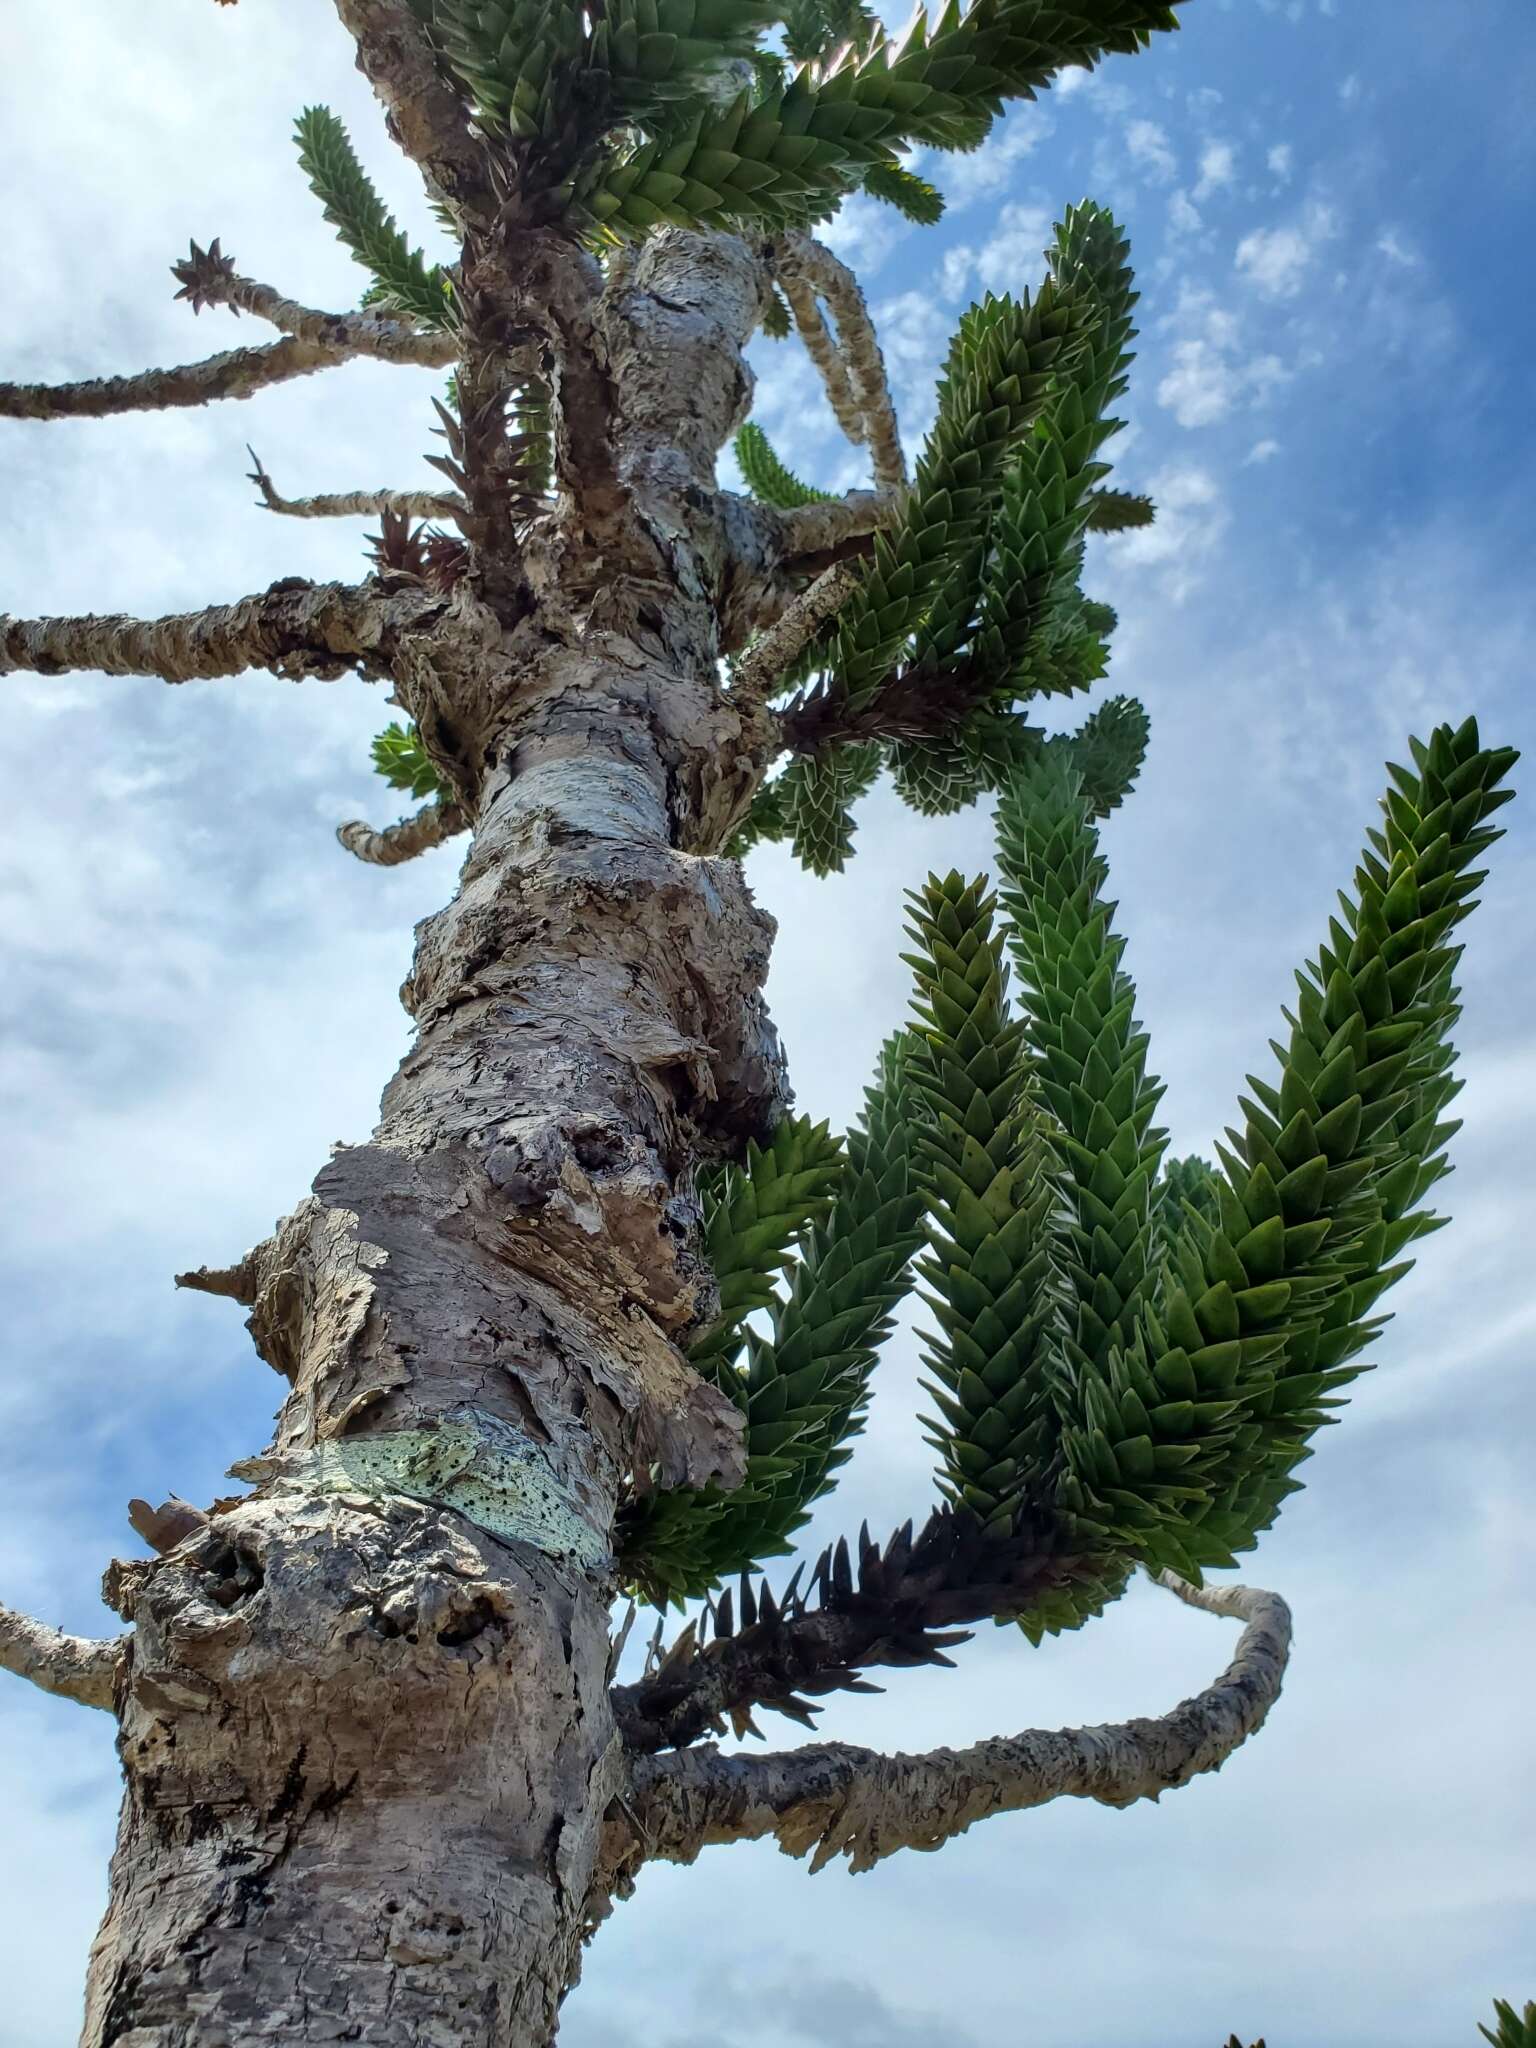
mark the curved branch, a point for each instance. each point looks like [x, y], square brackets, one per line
[821, 346]
[354, 504]
[208, 278]
[79, 1668]
[296, 629]
[836, 1800]
[432, 825]
[804, 264]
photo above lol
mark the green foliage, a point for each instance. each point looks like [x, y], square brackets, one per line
[1107, 751]
[402, 277]
[657, 53]
[818, 792]
[533, 419]
[990, 1273]
[806, 1382]
[400, 758]
[788, 152]
[1118, 511]
[1259, 1320]
[1088, 1052]
[1007, 353]
[754, 1216]
[767, 478]
[1193, 1181]
[1516, 2030]
[518, 63]
[911, 195]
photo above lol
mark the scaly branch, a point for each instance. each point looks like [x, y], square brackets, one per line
[756, 675]
[821, 346]
[79, 1668]
[900, 1605]
[209, 278]
[806, 267]
[424, 114]
[431, 826]
[836, 1800]
[296, 629]
[354, 504]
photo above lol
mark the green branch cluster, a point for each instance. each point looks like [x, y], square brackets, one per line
[1128, 1354]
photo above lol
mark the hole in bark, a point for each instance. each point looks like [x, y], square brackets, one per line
[391, 1905]
[479, 1617]
[597, 1148]
[235, 1573]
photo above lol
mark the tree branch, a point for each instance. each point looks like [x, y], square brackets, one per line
[828, 524]
[208, 278]
[431, 826]
[296, 629]
[238, 373]
[800, 260]
[896, 1606]
[756, 674]
[354, 504]
[423, 113]
[836, 1800]
[821, 346]
[79, 1668]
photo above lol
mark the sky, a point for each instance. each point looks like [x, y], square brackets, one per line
[1330, 207]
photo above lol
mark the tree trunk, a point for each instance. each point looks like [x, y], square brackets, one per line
[365, 1721]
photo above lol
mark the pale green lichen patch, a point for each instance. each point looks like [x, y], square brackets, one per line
[480, 1466]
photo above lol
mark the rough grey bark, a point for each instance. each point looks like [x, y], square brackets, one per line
[367, 1739]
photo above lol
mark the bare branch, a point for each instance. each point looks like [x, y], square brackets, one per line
[807, 267]
[431, 826]
[827, 524]
[234, 1283]
[755, 676]
[238, 373]
[209, 278]
[836, 1800]
[354, 504]
[296, 629]
[424, 115]
[79, 1668]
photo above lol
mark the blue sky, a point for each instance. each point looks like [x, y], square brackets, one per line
[1330, 205]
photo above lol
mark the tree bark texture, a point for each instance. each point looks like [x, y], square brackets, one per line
[365, 1724]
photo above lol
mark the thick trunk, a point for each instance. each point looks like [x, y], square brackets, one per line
[365, 1719]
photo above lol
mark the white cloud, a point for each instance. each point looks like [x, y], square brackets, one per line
[864, 231]
[1183, 215]
[1150, 149]
[1261, 451]
[1212, 372]
[1391, 245]
[1218, 162]
[1192, 519]
[1276, 261]
[966, 176]
[1281, 160]
[1349, 90]
[1009, 259]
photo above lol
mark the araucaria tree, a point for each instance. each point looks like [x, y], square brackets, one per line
[592, 1317]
